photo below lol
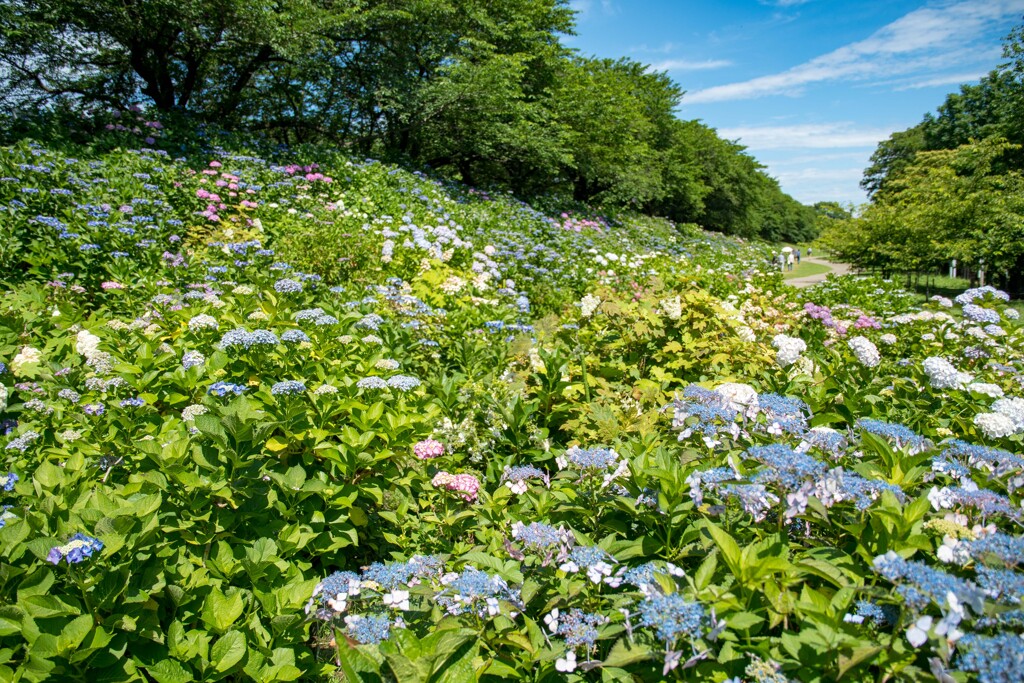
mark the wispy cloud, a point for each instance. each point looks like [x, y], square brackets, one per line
[689, 65]
[916, 43]
[785, 3]
[663, 49]
[945, 79]
[585, 8]
[842, 135]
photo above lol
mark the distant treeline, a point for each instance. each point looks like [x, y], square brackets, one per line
[950, 187]
[481, 91]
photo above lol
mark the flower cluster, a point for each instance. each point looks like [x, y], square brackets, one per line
[76, 550]
[428, 449]
[466, 486]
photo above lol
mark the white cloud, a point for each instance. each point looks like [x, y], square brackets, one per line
[919, 42]
[663, 49]
[822, 183]
[689, 65]
[584, 8]
[785, 3]
[945, 79]
[841, 135]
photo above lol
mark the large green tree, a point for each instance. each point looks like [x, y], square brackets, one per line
[184, 54]
[943, 205]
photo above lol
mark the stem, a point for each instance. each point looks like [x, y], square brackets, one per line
[85, 595]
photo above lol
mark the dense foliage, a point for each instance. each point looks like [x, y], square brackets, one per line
[304, 416]
[481, 91]
[950, 187]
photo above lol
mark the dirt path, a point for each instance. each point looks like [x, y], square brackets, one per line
[837, 269]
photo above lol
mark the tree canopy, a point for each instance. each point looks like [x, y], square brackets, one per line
[482, 91]
[950, 187]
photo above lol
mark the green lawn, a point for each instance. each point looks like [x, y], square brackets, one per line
[805, 268]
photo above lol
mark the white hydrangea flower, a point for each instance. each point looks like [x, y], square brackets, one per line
[741, 397]
[189, 413]
[202, 322]
[789, 349]
[1012, 408]
[985, 389]
[866, 352]
[673, 308]
[889, 339]
[995, 425]
[27, 356]
[589, 304]
[942, 374]
[87, 343]
[746, 334]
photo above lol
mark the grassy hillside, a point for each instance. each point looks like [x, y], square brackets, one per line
[282, 414]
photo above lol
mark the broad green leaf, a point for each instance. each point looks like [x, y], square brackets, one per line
[227, 651]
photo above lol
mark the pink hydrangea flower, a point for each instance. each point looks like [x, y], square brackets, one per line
[465, 485]
[428, 448]
[112, 285]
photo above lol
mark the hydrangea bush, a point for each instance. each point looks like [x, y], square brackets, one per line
[284, 417]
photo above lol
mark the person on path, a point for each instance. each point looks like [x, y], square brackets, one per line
[798, 257]
[808, 251]
[789, 261]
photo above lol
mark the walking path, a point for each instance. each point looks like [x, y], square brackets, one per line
[836, 269]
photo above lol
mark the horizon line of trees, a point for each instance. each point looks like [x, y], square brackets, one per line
[951, 187]
[480, 91]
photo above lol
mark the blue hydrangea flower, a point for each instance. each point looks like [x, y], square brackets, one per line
[475, 591]
[370, 322]
[370, 629]
[403, 382]
[920, 584]
[579, 628]
[901, 436]
[7, 481]
[76, 550]
[221, 389]
[294, 336]
[286, 286]
[372, 383]
[996, 659]
[288, 388]
[135, 402]
[192, 359]
[22, 442]
[672, 616]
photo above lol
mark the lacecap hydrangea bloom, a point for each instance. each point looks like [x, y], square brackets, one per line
[76, 550]
[517, 477]
[287, 286]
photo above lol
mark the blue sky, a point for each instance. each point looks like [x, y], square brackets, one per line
[809, 86]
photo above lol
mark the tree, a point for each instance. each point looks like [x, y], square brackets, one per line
[944, 204]
[180, 54]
